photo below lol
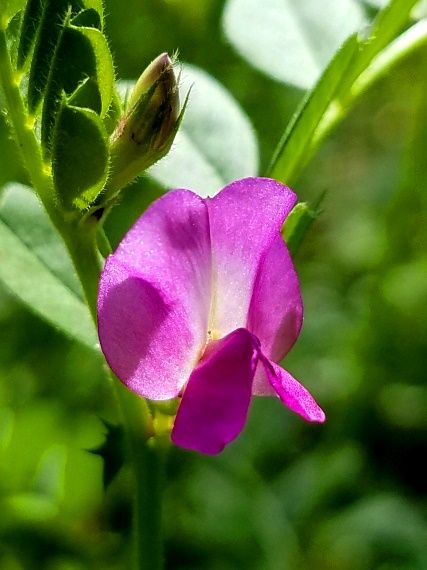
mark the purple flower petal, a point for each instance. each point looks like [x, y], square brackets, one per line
[292, 393]
[245, 217]
[154, 297]
[276, 310]
[215, 402]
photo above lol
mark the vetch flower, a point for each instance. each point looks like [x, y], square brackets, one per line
[201, 300]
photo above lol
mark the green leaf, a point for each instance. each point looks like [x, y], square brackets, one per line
[290, 40]
[388, 23]
[30, 21]
[336, 91]
[104, 66]
[86, 95]
[55, 13]
[82, 67]
[79, 156]
[35, 265]
[215, 143]
[88, 18]
[95, 5]
[8, 8]
[292, 152]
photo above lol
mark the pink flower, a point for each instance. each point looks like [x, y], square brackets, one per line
[201, 300]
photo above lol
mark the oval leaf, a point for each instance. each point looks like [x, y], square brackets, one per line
[82, 67]
[288, 40]
[88, 18]
[36, 268]
[55, 13]
[104, 66]
[216, 142]
[79, 156]
[8, 8]
[30, 22]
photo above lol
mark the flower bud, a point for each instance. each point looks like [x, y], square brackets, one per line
[146, 131]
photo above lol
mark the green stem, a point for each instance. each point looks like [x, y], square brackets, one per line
[148, 455]
[22, 125]
[150, 459]
[146, 452]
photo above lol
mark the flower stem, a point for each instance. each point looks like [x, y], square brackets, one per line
[148, 455]
[146, 452]
[150, 459]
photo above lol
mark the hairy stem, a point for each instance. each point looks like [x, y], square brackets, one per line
[22, 125]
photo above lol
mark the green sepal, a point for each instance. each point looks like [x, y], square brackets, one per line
[298, 223]
[82, 67]
[30, 22]
[80, 157]
[111, 451]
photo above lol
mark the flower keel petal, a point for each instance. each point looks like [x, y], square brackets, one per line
[216, 399]
[276, 311]
[292, 393]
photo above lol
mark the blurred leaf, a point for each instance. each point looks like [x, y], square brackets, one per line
[79, 156]
[36, 274]
[50, 475]
[111, 451]
[20, 206]
[420, 10]
[215, 144]
[386, 524]
[292, 152]
[291, 41]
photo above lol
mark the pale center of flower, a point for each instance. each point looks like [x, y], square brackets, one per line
[213, 334]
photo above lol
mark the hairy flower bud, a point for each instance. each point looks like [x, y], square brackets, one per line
[146, 131]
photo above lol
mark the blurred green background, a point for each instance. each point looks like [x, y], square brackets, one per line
[348, 495]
